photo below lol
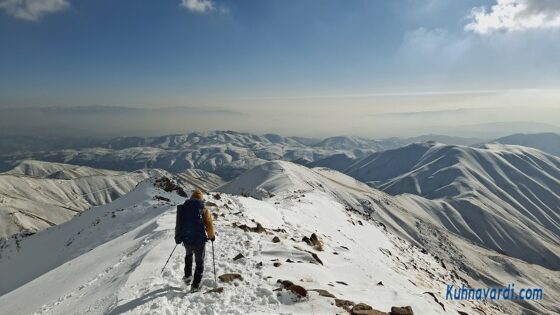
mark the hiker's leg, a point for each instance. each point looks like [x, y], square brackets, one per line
[188, 261]
[199, 253]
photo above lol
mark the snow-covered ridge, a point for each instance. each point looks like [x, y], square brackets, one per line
[108, 261]
[37, 195]
[547, 142]
[429, 223]
[41, 169]
[504, 197]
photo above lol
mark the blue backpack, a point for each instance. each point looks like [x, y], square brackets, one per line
[191, 220]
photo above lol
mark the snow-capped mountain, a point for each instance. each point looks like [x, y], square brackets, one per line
[225, 153]
[41, 169]
[195, 179]
[547, 142]
[36, 195]
[108, 260]
[432, 224]
[504, 197]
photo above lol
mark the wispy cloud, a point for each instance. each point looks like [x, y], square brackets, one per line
[200, 6]
[32, 10]
[515, 15]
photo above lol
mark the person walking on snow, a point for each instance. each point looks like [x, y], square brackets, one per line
[193, 228]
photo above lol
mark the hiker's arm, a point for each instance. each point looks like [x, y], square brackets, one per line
[177, 228]
[209, 224]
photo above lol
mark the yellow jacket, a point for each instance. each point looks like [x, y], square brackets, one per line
[208, 223]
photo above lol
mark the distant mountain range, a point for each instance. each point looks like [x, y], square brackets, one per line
[497, 195]
[226, 153]
[546, 142]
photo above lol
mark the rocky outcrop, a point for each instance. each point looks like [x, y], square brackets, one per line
[229, 277]
[294, 288]
[313, 241]
[403, 310]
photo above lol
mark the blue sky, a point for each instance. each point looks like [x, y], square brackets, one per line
[235, 54]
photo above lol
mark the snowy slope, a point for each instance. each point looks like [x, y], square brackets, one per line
[108, 261]
[199, 180]
[36, 195]
[547, 142]
[428, 223]
[504, 197]
[42, 169]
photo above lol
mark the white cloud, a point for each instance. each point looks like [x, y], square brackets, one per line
[515, 15]
[200, 6]
[32, 10]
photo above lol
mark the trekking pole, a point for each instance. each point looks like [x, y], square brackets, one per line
[214, 261]
[169, 258]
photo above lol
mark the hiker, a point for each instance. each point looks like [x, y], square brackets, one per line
[193, 228]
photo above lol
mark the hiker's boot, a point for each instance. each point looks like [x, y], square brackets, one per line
[187, 280]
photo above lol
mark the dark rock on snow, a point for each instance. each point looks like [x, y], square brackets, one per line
[324, 293]
[215, 290]
[404, 310]
[229, 277]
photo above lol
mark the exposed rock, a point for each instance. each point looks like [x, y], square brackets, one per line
[360, 308]
[275, 239]
[316, 257]
[229, 277]
[463, 313]
[215, 290]
[258, 229]
[259, 264]
[380, 283]
[298, 290]
[289, 260]
[217, 196]
[211, 204]
[435, 299]
[385, 251]
[157, 197]
[277, 264]
[369, 312]
[324, 293]
[313, 241]
[404, 310]
[341, 282]
[239, 256]
[345, 304]
[167, 185]
[285, 283]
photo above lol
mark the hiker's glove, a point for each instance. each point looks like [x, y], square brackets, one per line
[177, 240]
